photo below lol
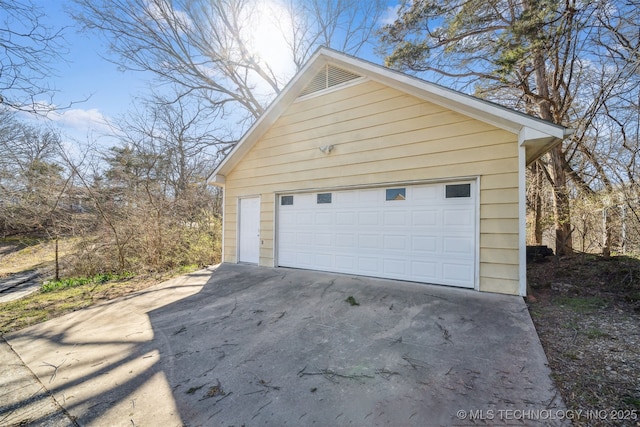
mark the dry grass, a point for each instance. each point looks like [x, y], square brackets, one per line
[40, 307]
[18, 255]
[22, 254]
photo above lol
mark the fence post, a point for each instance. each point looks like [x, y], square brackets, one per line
[606, 235]
[624, 228]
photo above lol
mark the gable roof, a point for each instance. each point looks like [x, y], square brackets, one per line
[536, 135]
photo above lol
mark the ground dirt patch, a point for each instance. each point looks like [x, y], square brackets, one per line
[27, 253]
[586, 310]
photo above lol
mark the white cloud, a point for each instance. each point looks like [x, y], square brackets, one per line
[162, 13]
[80, 119]
[390, 15]
[71, 118]
[74, 124]
[84, 126]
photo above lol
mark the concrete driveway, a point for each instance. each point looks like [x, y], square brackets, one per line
[243, 345]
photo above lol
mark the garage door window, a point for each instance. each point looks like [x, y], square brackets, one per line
[286, 200]
[458, 190]
[323, 198]
[396, 193]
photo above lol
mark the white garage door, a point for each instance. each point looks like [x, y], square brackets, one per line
[423, 233]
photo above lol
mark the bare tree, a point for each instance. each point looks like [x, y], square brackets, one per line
[148, 196]
[182, 134]
[32, 181]
[212, 49]
[29, 49]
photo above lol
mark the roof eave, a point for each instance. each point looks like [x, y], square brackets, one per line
[537, 135]
[538, 143]
[217, 180]
[490, 112]
[271, 114]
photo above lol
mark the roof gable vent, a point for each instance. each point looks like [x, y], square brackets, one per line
[328, 77]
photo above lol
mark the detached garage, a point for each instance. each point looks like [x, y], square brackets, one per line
[358, 169]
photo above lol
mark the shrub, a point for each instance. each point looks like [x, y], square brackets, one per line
[51, 285]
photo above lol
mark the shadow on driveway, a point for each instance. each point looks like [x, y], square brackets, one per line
[244, 345]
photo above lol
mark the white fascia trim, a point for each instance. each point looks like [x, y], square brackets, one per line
[217, 180]
[273, 111]
[477, 236]
[529, 134]
[224, 219]
[500, 117]
[486, 111]
[276, 231]
[336, 88]
[522, 220]
[237, 242]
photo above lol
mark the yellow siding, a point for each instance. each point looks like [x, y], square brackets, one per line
[381, 135]
[499, 211]
[503, 286]
[500, 256]
[499, 226]
[498, 241]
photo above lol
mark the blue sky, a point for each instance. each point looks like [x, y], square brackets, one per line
[86, 74]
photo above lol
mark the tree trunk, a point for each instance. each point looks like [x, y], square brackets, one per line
[561, 203]
[537, 173]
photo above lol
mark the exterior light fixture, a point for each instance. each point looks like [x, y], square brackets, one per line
[326, 149]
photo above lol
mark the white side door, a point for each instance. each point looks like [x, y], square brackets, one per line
[249, 234]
